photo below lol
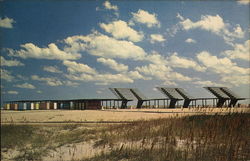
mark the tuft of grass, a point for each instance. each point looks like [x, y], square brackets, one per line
[35, 141]
[15, 135]
[201, 137]
[221, 137]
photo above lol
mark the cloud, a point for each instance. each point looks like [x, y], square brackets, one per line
[189, 40]
[108, 6]
[22, 77]
[81, 72]
[145, 17]
[74, 67]
[207, 83]
[236, 79]
[156, 58]
[103, 46]
[169, 83]
[214, 24]
[228, 71]
[10, 63]
[99, 92]
[6, 22]
[39, 92]
[25, 85]
[12, 92]
[49, 80]
[162, 72]
[137, 75]
[6, 75]
[101, 79]
[180, 62]
[120, 30]
[52, 81]
[52, 69]
[70, 83]
[240, 51]
[156, 38]
[243, 2]
[30, 50]
[220, 65]
[113, 64]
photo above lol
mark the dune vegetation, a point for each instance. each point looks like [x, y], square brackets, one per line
[217, 137]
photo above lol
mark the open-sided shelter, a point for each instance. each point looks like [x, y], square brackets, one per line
[187, 97]
[172, 94]
[234, 97]
[123, 93]
[217, 92]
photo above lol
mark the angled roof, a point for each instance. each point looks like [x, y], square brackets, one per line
[184, 94]
[138, 94]
[170, 93]
[123, 93]
[115, 93]
[230, 93]
[217, 92]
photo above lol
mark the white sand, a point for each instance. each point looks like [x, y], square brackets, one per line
[45, 116]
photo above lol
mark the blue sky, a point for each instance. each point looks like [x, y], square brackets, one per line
[77, 49]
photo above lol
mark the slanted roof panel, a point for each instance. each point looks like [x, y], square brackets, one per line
[230, 93]
[126, 93]
[170, 92]
[184, 94]
[217, 92]
[138, 94]
[115, 93]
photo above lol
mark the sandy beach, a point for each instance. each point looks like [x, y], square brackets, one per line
[114, 115]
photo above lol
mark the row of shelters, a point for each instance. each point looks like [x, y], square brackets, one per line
[223, 97]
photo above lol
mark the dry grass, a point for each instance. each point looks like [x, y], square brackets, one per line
[205, 136]
[200, 138]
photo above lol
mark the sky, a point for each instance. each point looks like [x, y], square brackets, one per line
[78, 49]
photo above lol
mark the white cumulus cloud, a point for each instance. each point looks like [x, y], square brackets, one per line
[12, 92]
[101, 79]
[48, 80]
[10, 63]
[109, 6]
[240, 51]
[144, 17]
[74, 67]
[52, 69]
[189, 40]
[156, 38]
[214, 24]
[243, 2]
[25, 85]
[6, 22]
[220, 65]
[113, 64]
[6, 75]
[176, 61]
[103, 46]
[120, 30]
[229, 72]
[207, 83]
[162, 72]
[30, 50]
